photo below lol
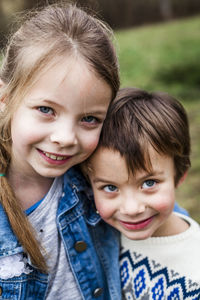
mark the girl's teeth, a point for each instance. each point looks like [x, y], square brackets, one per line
[54, 157]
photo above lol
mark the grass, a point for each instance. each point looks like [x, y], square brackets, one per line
[165, 57]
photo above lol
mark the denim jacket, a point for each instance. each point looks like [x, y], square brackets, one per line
[92, 248]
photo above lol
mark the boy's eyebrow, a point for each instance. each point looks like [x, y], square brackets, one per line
[96, 180]
[142, 178]
[151, 174]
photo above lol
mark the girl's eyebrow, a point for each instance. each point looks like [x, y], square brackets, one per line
[96, 112]
[30, 100]
[45, 101]
[99, 111]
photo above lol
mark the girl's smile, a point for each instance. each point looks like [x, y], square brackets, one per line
[54, 158]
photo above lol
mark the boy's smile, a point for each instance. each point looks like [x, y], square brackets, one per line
[58, 123]
[140, 205]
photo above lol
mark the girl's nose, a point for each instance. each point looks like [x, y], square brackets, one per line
[64, 134]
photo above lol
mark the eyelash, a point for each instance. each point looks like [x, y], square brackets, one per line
[94, 120]
[109, 185]
[47, 108]
[85, 120]
[149, 187]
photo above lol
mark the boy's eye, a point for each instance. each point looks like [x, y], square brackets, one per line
[110, 188]
[90, 119]
[148, 184]
[45, 110]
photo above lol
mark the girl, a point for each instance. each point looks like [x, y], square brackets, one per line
[59, 74]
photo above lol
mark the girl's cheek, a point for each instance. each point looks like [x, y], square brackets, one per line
[91, 145]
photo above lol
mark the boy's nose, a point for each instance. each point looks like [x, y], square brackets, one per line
[130, 205]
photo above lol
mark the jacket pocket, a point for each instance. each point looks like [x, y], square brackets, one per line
[25, 287]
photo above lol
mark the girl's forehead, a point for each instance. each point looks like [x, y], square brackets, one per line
[61, 68]
[72, 86]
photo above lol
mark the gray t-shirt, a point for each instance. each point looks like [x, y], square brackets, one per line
[62, 284]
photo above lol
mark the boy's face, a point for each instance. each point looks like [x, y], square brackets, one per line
[139, 206]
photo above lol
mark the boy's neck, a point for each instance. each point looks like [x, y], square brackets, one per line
[172, 226]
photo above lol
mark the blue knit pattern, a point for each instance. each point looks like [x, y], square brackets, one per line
[145, 279]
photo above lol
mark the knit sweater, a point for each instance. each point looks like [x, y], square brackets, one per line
[162, 268]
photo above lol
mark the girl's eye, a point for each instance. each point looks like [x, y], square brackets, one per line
[46, 110]
[148, 184]
[110, 188]
[90, 120]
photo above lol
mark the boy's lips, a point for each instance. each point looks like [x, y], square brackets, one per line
[136, 225]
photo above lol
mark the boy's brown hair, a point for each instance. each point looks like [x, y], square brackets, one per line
[137, 119]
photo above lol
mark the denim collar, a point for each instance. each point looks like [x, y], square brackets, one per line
[77, 189]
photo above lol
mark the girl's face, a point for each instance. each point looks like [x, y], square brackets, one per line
[58, 123]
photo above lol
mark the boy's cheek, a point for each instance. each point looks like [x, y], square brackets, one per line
[166, 203]
[104, 210]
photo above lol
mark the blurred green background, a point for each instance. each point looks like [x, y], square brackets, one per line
[160, 53]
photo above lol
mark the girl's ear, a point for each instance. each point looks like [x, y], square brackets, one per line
[182, 178]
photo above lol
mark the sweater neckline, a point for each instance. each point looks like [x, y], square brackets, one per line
[193, 226]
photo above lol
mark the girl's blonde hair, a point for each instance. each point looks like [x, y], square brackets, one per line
[45, 36]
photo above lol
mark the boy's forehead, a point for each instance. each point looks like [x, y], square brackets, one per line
[107, 165]
[105, 158]
[110, 161]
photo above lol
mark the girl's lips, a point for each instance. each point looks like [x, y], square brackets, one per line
[137, 225]
[53, 158]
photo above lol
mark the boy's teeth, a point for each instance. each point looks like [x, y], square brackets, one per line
[52, 156]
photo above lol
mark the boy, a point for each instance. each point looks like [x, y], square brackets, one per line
[143, 155]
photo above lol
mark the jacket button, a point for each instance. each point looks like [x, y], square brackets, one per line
[1, 290]
[97, 292]
[80, 246]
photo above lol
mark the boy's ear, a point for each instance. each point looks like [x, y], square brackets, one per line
[182, 178]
